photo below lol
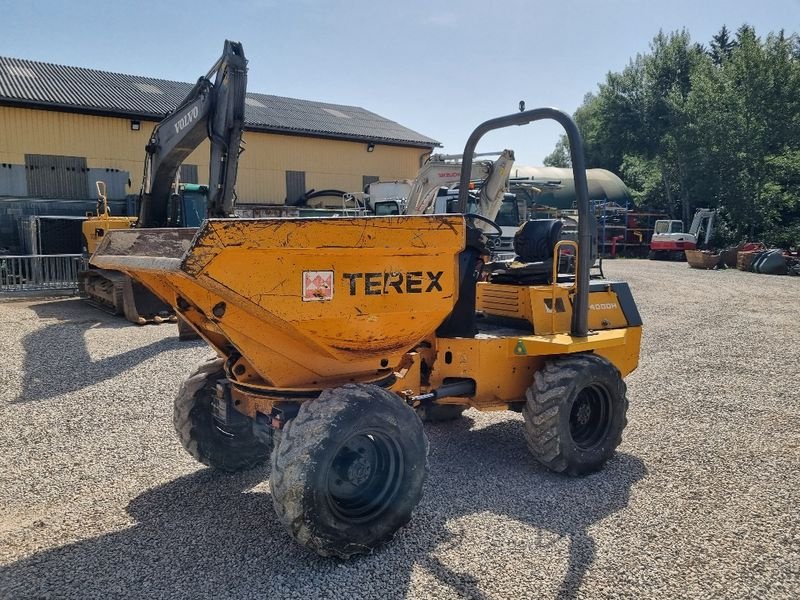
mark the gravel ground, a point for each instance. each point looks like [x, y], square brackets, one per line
[97, 499]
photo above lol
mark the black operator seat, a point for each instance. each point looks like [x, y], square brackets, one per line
[534, 243]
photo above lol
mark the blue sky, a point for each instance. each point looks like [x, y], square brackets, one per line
[439, 68]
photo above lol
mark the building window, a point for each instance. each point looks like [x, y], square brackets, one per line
[295, 187]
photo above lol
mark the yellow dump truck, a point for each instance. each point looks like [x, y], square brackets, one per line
[335, 337]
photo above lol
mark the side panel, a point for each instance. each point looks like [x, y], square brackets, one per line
[503, 367]
[549, 308]
[110, 143]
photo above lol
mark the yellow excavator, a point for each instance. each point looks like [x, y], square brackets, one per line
[331, 334]
[212, 110]
[111, 290]
[107, 289]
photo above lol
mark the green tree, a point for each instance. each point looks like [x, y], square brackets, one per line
[559, 157]
[688, 127]
[721, 46]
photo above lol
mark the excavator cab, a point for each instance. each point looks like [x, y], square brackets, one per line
[188, 207]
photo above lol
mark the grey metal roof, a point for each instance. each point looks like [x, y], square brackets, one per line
[45, 85]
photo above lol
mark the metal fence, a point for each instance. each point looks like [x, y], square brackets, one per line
[39, 272]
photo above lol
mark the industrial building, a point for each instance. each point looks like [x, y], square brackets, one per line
[62, 128]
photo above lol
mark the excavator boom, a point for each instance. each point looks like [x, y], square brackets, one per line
[213, 110]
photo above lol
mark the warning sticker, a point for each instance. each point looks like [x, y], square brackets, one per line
[317, 285]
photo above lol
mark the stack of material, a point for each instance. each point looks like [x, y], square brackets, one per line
[746, 254]
[766, 261]
[703, 259]
[744, 260]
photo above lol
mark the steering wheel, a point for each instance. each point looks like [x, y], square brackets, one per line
[492, 236]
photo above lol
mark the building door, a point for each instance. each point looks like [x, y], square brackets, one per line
[366, 180]
[295, 186]
[51, 176]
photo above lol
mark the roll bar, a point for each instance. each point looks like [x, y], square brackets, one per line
[580, 311]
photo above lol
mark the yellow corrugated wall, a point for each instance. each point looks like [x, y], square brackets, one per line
[109, 142]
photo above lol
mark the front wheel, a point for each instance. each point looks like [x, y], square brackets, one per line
[574, 413]
[349, 469]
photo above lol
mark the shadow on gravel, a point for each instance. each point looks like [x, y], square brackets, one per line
[57, 360]
[489, 470]
[208, 535]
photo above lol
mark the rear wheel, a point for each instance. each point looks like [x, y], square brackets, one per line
[574, 413]
[349, 469]
[231, 447]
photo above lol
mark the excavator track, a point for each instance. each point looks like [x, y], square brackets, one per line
[117, 294]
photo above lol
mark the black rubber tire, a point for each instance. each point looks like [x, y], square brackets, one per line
[561, 439]
[237, 450]
[304, 464]
[439, 413]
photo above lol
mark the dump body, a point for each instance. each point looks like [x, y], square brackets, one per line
[302, 303]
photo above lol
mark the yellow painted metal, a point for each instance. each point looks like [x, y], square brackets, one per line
[503, 365]
[605, 311]
[509, 301]
[548, 308]
[551, 308]
[569, 287]
[305, 302]
[94, 228]
[109, 142]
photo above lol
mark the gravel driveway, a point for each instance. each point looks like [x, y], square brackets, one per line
[98, 500]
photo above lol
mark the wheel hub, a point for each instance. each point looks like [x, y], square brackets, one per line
[584, 413]
[364, 477]
[590, 417]
[359, 470]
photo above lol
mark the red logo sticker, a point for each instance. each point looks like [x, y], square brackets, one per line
[317, 285]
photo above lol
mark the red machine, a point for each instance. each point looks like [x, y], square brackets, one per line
[669, 240]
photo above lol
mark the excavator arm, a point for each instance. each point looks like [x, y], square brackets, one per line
[442, 170]
[495, 185]
[213, 110]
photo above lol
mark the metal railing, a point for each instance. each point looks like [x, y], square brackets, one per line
[39, 272]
